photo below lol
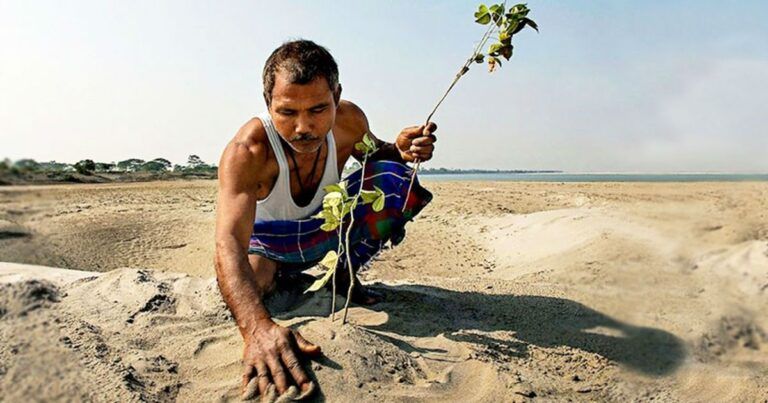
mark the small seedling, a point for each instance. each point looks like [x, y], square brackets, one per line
[337, 205]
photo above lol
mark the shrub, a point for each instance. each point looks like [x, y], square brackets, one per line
[85, 167]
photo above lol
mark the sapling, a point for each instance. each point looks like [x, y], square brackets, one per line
[338, 203]
[504, 24]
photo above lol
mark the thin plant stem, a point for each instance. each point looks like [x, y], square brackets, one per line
[464, 69]
[348, 251]
[333, 276]
[351, 275]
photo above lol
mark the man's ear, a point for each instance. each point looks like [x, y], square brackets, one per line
[337, 94]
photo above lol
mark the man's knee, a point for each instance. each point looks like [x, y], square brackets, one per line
[264, 270]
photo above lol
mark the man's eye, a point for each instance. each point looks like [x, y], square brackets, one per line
[286, 113]
[321, 110]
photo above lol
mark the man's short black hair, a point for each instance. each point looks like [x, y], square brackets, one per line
[304, 61]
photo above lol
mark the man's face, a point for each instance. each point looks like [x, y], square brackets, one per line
[303, 113]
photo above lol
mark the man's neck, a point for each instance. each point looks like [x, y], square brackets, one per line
[303, 158]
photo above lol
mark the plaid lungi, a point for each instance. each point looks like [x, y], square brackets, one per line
[300, 244]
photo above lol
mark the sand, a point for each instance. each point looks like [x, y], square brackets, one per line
[500, 292]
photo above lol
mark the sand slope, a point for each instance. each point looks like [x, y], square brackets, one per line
[134, 334]
[501, 292]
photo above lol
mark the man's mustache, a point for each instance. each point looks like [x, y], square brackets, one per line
[303, 137]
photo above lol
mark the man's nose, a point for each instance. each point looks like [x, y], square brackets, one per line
[303, 124]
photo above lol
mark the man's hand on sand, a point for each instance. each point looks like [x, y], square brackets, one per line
[417, 142]
[271, 361]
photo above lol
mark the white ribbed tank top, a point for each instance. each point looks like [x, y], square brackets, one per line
[279, 204]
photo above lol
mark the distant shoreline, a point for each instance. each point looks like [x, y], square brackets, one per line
[443, 171]
[599, 177]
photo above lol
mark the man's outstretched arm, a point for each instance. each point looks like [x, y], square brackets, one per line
[269, 353]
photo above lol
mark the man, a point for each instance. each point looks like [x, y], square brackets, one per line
[274, 170]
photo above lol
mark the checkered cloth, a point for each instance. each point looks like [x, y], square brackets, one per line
[300, 244]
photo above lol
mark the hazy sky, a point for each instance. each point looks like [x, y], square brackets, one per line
[606, 86]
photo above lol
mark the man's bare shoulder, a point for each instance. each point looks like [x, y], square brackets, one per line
[246, 155]
[252, 137]
[351, 121]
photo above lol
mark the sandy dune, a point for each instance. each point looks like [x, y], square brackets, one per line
[501, 292]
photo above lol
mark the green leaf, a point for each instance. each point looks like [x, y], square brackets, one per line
[333, 187]
[378, 204]
[519, 10]
[482, 16]
[321, 214]
[330, 260]
[479, 58]
[481, 10]
[506, 52]
[324, 214]
[340, 187]
[511, 28]
[531, 24]
[497, 14]
[367, 145]
[494, 49]
[321, 282]
[369, 142]
[333, 198]
[369, 196]
[329, 226]
[518, 28]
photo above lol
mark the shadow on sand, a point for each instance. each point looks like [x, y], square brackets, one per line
[13, 235]
[542, 321]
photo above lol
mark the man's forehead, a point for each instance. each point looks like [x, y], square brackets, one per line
[316, 90]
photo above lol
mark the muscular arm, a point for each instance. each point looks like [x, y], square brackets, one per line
[416, 141]
[234, 220]
[269, 355]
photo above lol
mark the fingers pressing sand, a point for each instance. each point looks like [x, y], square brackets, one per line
[292, 394]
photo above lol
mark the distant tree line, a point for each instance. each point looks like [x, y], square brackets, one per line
[194, 165]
